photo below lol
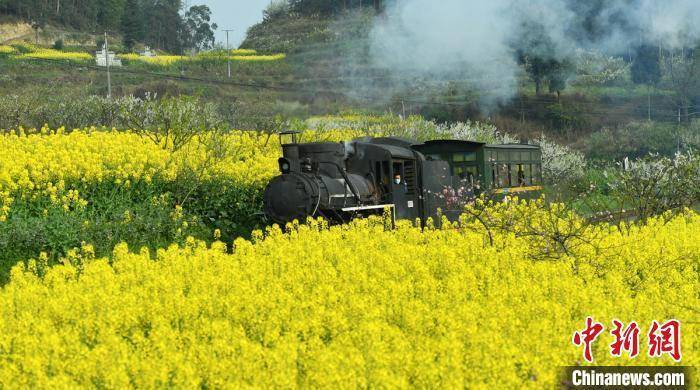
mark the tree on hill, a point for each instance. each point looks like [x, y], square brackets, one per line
[163, 17]
[164, 24]
[543, 71]
[198, 29]
[109, 14]
[329, 7]
[559, 75]
[646, 69]
[538, 54]
[276, 9]
[681, 69]
[132, 24]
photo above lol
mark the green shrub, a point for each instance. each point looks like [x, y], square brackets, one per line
[139, 215]
[634, 140]
[152, 215]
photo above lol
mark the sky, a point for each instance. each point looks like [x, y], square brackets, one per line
[234, 14]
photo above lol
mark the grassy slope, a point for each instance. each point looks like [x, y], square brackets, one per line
[331, 55]
[327, 70]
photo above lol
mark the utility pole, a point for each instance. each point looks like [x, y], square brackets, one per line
[678, 133]
[228, 54]
[109, 76]
[649, 101]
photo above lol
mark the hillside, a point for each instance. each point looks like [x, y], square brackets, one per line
[17, 30]
[335, 63]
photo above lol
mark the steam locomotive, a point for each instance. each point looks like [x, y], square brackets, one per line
[340, 181]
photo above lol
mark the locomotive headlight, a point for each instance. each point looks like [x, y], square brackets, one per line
[285, 166]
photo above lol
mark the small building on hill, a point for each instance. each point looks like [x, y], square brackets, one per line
[103, 56]
[147, 52]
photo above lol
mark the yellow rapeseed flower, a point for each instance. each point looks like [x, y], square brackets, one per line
[52, 54]
[4, 49]
[345, 306]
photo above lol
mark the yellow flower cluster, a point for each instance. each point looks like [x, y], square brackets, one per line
[233, 52]
[52, 54]
[35, 160]
[31, 51]
[24, 47]
[238, 55]
[259, 58]
[50, 163]
[162, 60]
[4, 49]
[244, 52]
[347, 306]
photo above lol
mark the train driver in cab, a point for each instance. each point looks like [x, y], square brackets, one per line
[400, 184]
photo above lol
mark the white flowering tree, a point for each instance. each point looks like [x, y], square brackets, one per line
[479, 132]
[656, 185]
[595, 68]
[560, 164]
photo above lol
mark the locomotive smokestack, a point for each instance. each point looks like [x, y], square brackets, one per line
[290, 153]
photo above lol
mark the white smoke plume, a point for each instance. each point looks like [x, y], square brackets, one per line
[479, 40]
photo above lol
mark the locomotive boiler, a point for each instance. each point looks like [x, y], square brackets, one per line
[341, 180]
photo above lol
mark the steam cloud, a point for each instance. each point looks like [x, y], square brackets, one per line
[476, 39]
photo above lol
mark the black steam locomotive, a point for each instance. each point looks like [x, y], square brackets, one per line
[340, 181]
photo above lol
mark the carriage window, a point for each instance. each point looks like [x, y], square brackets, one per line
[528, 174]
[398, 169]
[501, 175]
[522, 176]
[382, 172]
[409, 172]
[464, 157]
[468, 173]
[472, 174]
[536, 174]
[513, 175]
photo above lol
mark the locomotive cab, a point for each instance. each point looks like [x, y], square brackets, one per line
[394, 168]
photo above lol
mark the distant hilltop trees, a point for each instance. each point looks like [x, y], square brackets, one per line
[320, 7]
[167, 28]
